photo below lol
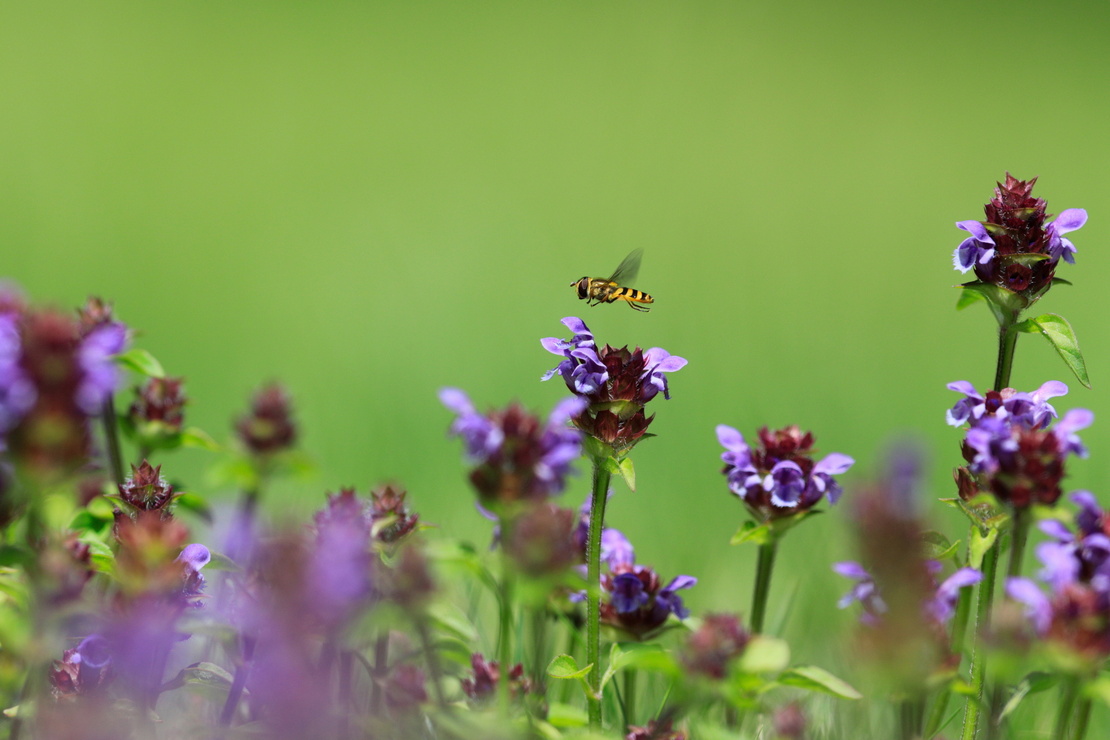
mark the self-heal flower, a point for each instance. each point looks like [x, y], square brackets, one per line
[779, 477]
[516, 457]
[939, 606]
[616, 383]
[1013, 249]
[635, 601]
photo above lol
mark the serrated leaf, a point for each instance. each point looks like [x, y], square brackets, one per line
[765, 655]
[141, 362]
[749, 531]
[1032, 684]
[1061, 336]
[812, 678]
[566, 667]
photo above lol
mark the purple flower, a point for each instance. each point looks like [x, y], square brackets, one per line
[1068, 220]
[943, 604]
[656, 362]
[581, 367]
[779, 478]
[863, 591]
[100, 376]
[1029, 409]
[616, 383]
[977, 248]
[17, 392]
[1038, 608]
[516, 456]
[635, 601]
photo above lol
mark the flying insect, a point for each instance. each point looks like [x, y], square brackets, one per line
[606, 290]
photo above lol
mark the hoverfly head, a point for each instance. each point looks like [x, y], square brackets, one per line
[582, 284]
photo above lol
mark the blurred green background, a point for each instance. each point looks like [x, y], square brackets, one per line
[370, 201]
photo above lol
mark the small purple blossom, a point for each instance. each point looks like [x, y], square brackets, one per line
[17, 392]
[656, 362]
[1029, 409]
[1068, 220]
[581, 367]
[635, 601]
[977, 248]
[943, 604]
[1038, 607]
[938, 607]
[863, 591]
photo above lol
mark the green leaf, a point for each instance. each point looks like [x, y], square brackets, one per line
[1099, 689]
[220, 561]
[141, 362]
[765, 655]
[938, 547]
[198, 438]
[1032, 684]
[969, 296]
[628, 473]
[14, 556]
[194, 503]
[978, 546]
[566, 716]
[749, 531]
[207, 678]
[1061, 336]
[812, 678]
[566, 667]
[454, 620]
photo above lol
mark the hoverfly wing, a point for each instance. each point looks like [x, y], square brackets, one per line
[627, 269]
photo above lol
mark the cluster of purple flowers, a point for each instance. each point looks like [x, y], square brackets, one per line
[1010, 447]
[779, 477]
[55, 373]
[615, 383]
[1014, 248]
[1076, 569]
[516, 457]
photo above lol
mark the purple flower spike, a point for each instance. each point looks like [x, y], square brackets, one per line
[1069, 220]
[1037, 606]
[979, 247]
[1029, 409]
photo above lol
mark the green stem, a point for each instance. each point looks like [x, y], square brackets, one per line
[1007, 343]
[764, 566]
[1069, 691]
[381, 670]
[1082, 718]
[431, 657]
[238, 683]
[111, 439]
[629, 697]
[505, 634]
[593, 589]
[974, 705]
[539, 646]
[1019, 528]
[910, 713]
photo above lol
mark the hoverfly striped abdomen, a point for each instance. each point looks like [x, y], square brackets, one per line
[607, 290]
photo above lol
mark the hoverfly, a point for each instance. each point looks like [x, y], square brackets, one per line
[607, 290]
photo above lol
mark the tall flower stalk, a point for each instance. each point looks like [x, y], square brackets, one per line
[615, 385]
[1014, 254]
[779, 483]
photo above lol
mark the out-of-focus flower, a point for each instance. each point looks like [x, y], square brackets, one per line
[655, 730]
[268, 427]
[82, 669]
[516, 457]
[780, 477]
[158, 411]
[710, 648]
[1076, 567]
[790, 722]
[616, 383]
[391, 518]
[485, 675]
[539, 539]
[1014, 249]
[404, 688]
